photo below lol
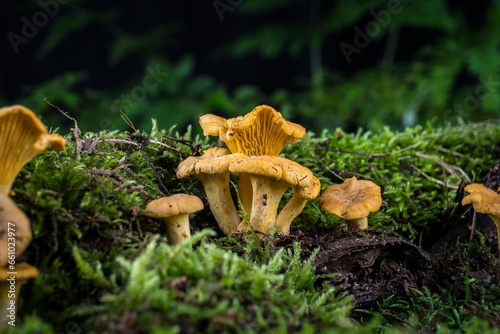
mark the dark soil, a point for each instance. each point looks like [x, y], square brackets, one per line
[373, 264]
[370, 264]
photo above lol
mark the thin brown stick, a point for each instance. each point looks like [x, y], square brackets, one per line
[356, 174]
[452, 186]
[473, 227]
[460, 155]
[76, 130]
[446, 187]
[372, 154]
[140, 248]
[443, 164]
[328, 169]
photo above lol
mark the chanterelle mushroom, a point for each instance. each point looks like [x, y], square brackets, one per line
[352, 200]
[212, 169]
[175, 210]
[270, 177]
[10, 286]
[484, 200]
[263, 131]
[22, 137]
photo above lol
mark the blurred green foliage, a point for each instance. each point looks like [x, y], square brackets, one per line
[451, 76]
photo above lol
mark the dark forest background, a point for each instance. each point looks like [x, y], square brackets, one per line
[324, 64]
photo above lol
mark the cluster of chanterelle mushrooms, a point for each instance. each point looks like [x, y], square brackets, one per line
[255, 141]
[22, 137]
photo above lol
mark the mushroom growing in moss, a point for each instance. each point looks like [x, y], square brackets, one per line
[484, 200]
[22, 137]
[175, 210]
[212, 169]
[263, 131]
[10, 286]
[270, 177]
[353, 200]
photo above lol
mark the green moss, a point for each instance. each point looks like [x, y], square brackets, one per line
[87, 220]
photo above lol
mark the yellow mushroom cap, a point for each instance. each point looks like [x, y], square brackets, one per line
[275, 167]
[22, 137]
[211, 124]
[174, 205]
[23, 271]
[213, 161]
[311, 191]
[482, 198]
[263, 131]
[353, 199]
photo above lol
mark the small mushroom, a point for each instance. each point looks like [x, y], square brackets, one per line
[270, 177]
[293, 208]
[263, 131]
[11, 281]
[212, 169]
[175, 210]
[353, 201]
[484, 200]
[22, 137]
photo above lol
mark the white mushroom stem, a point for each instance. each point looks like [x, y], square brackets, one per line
[291, 210]
[357, 224]
[177, 228]
[267, 193]
[220, 201]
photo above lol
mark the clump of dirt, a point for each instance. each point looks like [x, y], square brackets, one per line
[370, 264]
[374, 264]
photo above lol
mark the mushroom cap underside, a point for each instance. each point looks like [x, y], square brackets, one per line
[263, 131]
[22, 137]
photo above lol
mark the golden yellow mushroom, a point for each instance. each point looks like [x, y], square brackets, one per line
[353, 200]
[175, 210]
[484, 200]
[263, 131]
[22, 137]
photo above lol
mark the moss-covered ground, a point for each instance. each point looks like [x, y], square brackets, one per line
[106, 268]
